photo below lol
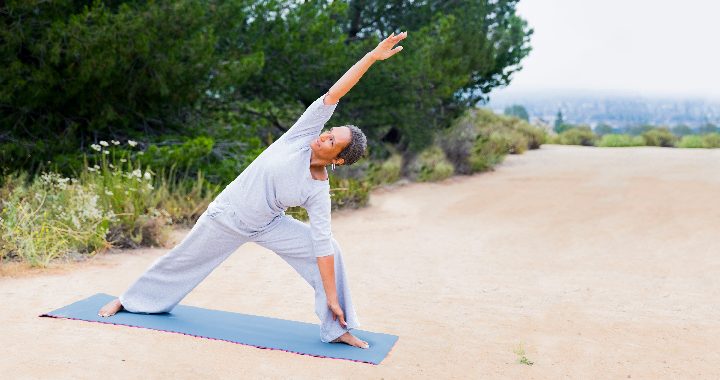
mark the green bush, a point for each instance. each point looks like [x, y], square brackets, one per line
[711, 140]
[430, 165]
[659, 137]
[691, 141]
[51, 217]
[488, 151]
[578, 136]
[480, 139]
[535, 136]
[386, 172]
[617, 140]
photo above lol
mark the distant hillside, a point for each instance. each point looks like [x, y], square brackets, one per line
[615, 110]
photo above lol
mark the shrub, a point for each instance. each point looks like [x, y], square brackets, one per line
[616, 140]
[480, 139]
[578, 136]
[691, 141]
[386, 172]
[487, 152]
[348, 192]
[430, 165]
[50, 218]
[659, 137]
[711, 140]
[534, 136]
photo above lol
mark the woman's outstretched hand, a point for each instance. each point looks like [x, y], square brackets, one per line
[337, 313]
[385, 50]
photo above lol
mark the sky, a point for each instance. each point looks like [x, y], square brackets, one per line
[641, 47]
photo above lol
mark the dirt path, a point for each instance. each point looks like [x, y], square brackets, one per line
[600, 262]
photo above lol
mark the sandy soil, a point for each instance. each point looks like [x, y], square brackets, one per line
[599, 262]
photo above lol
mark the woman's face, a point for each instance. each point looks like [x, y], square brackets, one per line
[330, 143]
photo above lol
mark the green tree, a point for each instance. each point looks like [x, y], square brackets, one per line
[708, 128]
[75, 72]
[560, 125]
[518, 111]
[638, 130]
[681, 130]
[604, 129]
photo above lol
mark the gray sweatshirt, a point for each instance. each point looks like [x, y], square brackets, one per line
[280, 178]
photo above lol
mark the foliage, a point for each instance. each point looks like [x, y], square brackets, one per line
[521, 358]
[659, 137]
[681, 130]
[76, 71]
[691, 141]
[518, 111]
[559, 126]
[205, 85]
[617, 140]
[387, 171]
[430, 165]
[581, 135]
[50, 218]
[638, 130]
[480, 139]
[711, 140]
[708, 128]
[604, 129]
[146, 70]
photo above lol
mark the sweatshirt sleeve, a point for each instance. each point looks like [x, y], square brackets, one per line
[309, 125]
[318, 209]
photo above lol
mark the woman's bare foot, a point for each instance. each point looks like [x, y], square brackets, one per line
[348, 338]
[111, 308]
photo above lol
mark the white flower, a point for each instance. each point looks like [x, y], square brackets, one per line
[149, 186]
[96, 166]
[132, 143]
[111, 166]
[91, 169]
[123, 160]
[106, 151]
[115, 142]
[96, 147]
[103, 143]
[108, 192]
[137, 173]
[147, 175]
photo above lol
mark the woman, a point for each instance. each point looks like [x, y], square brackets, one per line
[290, 172]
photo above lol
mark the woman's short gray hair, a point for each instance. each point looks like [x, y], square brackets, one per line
[356, 148]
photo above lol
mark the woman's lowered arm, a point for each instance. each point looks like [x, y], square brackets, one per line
[383, 51]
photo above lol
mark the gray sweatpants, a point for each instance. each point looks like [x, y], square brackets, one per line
[217, 234]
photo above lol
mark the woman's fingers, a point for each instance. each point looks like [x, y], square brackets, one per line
[342, 320]
[338, 314]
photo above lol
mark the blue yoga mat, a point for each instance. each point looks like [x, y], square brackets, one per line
[262, 332]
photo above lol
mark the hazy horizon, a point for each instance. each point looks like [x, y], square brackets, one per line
[643, 48]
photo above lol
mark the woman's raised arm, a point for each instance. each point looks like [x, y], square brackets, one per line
[383, 51]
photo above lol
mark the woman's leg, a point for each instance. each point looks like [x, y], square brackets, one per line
[170, 278]
[290, 239]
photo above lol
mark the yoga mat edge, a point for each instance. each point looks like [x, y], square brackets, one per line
[391, 346]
